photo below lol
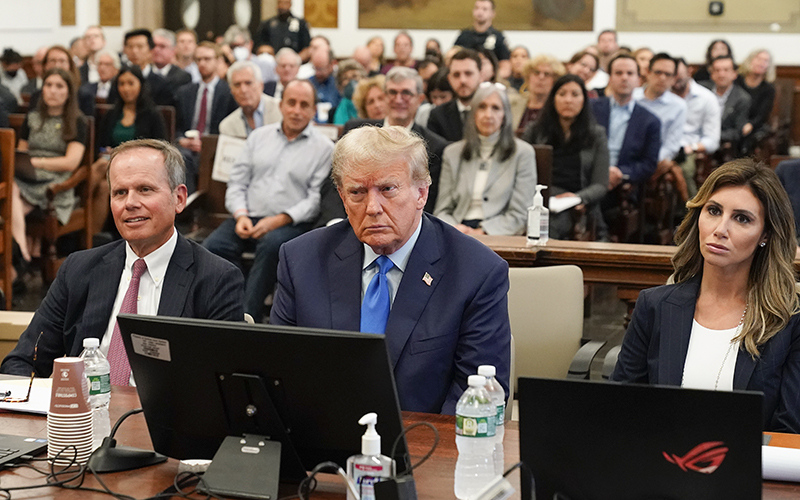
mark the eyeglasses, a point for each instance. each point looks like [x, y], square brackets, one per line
[658, 72]
[498, 86]
[405, 94]
[7, 394]
[543, 74]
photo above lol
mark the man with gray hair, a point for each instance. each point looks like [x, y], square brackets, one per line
[255, 108]
[108, 65]
[404, 95]
[153, 270]
[439, 296]
[241, 45]
[163, 57]
[289, 63]
[95, 40]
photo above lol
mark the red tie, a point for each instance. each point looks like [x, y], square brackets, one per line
[201, 120]
[117, 358]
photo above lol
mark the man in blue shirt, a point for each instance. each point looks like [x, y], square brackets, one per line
[273, 192]
[325, 84]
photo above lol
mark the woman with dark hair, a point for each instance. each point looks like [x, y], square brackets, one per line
[729, 319]
[54, 135]
[489, 64]
[134, 116]
[519, 56]
[756, 74]
[580, 150]
[438, 92]
[584, 64]
[715, 49]
[488, 179]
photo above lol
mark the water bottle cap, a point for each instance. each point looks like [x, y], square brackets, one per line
[487, 370]
[476, 380]
[91, 342]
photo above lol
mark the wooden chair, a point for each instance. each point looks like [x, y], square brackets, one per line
[8, 143]
[205, 210]
[660, 200]
[544, 169]
[45, 224]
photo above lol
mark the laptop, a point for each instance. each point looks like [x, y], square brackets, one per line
[12, 448]
[601, 441]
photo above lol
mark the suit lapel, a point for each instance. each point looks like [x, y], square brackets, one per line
[676, 328]
[102, 293]
[414, 293]
[344, 278]
[496, 170]
[177, 280]
[745, 366]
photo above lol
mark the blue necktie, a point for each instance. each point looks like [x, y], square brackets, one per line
[376, 305]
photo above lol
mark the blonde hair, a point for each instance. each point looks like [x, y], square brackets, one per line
[362, 89]
[744, 67]
[555, 65]
[772, 296]
[380, 147]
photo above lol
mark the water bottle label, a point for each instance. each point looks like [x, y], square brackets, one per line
[501, 414]
[475, 426]
[99, 384]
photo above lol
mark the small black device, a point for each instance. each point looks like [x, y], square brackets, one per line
[716, 8]
[200, 381]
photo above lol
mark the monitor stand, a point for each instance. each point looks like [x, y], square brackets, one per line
[259, 453]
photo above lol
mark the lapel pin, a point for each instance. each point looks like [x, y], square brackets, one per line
[427, 279]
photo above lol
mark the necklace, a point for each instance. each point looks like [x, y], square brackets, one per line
[730, 346]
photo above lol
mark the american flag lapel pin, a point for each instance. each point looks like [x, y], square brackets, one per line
[427, 279]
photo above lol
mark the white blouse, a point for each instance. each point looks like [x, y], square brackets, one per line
[711, 358]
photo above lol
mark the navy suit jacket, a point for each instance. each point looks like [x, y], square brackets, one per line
[435, 145]
[437, 335]
[269, 88]
[79, 303]
[638, 156]
[445, 120]
[657, 340]
[222, 105]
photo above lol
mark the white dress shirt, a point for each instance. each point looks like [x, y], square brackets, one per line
[400, 260]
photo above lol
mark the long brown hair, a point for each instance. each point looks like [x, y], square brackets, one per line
[70, 115]
[772, 296]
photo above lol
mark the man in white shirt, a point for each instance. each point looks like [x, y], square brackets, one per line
[288, 67]
[185, 43]
[179, 278]
[94, 40]
[108, 65]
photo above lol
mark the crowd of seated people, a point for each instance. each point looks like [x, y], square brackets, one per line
[618, 120]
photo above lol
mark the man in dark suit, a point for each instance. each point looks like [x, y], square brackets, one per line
[634, 137]
[139, 51]
[163, 55]
[180, 279]
[403, 90]
[201, 107]
[734, 101]
[108, 65]
[447, 120]
[439, 296]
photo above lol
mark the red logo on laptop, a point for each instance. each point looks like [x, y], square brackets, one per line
[703, 458]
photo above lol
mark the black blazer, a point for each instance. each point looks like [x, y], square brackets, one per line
[149, 125]
[177, 78]
[222, 106]
[435, 145]
[269, 88]
[445, 120]
[79, 303]
[657, 341]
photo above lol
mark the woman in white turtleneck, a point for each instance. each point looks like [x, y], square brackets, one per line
[488, 179]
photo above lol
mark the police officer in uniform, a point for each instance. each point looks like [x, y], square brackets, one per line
[285, 30]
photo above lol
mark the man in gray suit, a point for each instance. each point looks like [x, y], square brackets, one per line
[734, 101]
[179, 277]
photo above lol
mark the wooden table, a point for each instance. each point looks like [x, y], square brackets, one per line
[434, 479]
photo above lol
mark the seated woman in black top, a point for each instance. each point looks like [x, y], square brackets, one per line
[134, 116]
[755, 76]
[580, 150]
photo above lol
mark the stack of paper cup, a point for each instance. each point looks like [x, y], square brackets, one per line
[69, 421]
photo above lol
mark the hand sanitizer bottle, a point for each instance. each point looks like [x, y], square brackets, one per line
[370, 466]
[538, 220]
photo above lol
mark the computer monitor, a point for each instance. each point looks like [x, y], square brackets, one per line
[200, 381]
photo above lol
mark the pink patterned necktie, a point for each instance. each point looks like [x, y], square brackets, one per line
[117, 357]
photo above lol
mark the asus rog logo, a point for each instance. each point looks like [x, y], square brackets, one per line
[703, 458]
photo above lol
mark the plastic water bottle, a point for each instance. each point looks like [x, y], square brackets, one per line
[475, 431]
[98, 373]
[498, 395]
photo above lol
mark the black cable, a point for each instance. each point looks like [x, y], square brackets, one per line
[122, 419]
[427, 455]
[309, 484]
